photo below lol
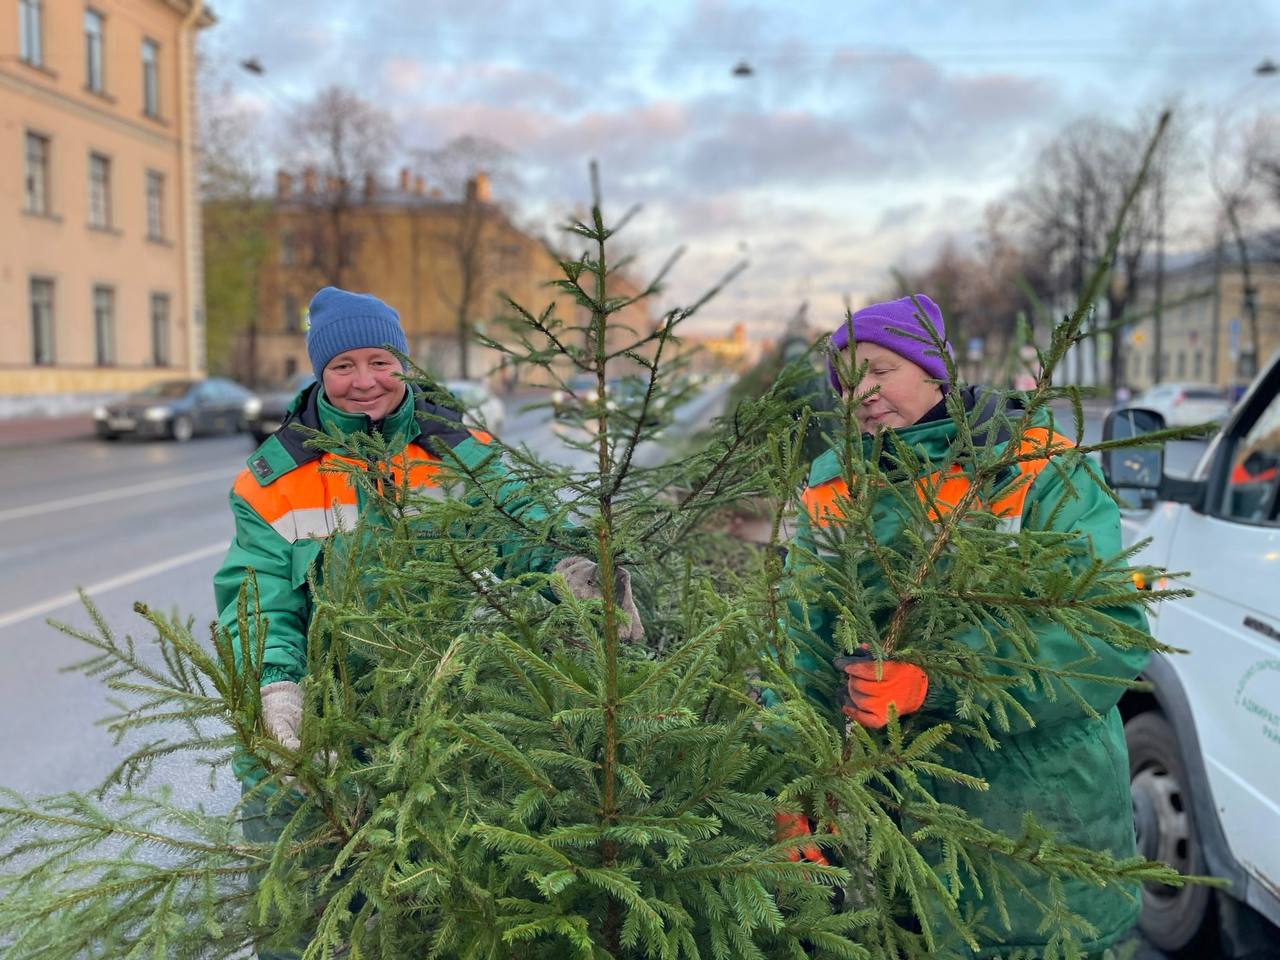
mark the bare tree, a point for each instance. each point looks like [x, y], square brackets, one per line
[234, 219]
[1245, 174]
[1069, 204]
[339, 140]
[980, 289]
[467, 168]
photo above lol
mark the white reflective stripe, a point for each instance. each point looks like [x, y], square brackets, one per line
[316, 521]
[344, 515]
[430, 491]
[1011, 524]
[321, 522]
[300, 524]
[423, 492]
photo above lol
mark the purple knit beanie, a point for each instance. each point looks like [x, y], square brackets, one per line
[880, 323]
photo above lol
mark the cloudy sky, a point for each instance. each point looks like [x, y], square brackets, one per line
[866, 131]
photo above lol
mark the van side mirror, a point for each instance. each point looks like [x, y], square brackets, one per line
[1133, 472]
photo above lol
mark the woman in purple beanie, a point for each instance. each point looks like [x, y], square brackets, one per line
[905, 366]
[1063, 759]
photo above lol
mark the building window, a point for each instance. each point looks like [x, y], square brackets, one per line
[289, 312]
[1197, 365]
[37, 174]
[41, 321]
[104, 325]
[155, 205]
[150, 78]
[99, 191]
[93, 31]
[288, 242]
[31, 32]
[1182, 364]
[290, 366]
[160, 329]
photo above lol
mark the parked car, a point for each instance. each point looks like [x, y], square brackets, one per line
[579, 392]
[479, 401]
[1186, 404]
[178, 409]
[272, 405]
[1204, 743]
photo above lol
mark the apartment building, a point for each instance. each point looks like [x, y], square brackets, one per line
[100, 259]
[1206, 329]
[405, 243]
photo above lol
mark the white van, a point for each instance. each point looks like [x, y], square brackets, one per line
[1205, 743]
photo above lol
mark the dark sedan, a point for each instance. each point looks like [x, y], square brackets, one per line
[178, 409]
[272, 406]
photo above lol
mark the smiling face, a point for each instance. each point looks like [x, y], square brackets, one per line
[905, 391]
[365, 381]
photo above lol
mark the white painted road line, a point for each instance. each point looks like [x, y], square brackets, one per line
[123, 580]
[119, 493]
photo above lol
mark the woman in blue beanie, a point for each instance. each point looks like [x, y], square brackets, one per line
[1064, 762]
[290, 500]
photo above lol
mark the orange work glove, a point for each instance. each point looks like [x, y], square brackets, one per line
[870, 687]
[787, 825]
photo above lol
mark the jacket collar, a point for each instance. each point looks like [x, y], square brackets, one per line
[398, 422]
[988, 411]
[434, 426]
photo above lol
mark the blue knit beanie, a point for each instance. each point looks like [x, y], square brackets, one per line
[341, 321]
[880, 324]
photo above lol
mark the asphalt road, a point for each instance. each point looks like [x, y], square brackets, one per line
[128, 521]
[125, 522]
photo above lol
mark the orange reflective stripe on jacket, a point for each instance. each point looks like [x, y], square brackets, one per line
[315, 500]
[944, 492]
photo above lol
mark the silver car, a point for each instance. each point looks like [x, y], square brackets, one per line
[1186, 404]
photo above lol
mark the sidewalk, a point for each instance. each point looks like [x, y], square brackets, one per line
[41, 431]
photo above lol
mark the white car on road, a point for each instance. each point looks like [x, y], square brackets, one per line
[1204, 744]
[1186, 404]
[480, 403]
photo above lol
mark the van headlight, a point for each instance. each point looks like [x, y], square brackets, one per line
[99, 413]
[252, 407]
[158, 413]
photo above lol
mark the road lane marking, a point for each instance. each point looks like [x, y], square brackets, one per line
[123, 580]
[119, 493]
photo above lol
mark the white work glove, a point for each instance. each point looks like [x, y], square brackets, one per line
[282, 716]
[282, 712]
[583, 579]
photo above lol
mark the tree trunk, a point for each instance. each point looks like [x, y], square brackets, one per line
[1249, 293]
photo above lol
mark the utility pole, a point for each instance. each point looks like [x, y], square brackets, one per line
[1217, 310]
[1157, 314]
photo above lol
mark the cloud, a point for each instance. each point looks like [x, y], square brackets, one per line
[414, 80]
[893, 217]
[830, 163]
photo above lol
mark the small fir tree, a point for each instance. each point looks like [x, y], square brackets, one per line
[490, 768]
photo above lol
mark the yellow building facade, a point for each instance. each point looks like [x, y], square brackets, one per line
[403, 243]
[1206, 334]
[100, 260]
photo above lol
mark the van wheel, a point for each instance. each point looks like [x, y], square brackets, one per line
[1178, 920]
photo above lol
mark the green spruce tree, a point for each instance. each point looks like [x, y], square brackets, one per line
[490, 767]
